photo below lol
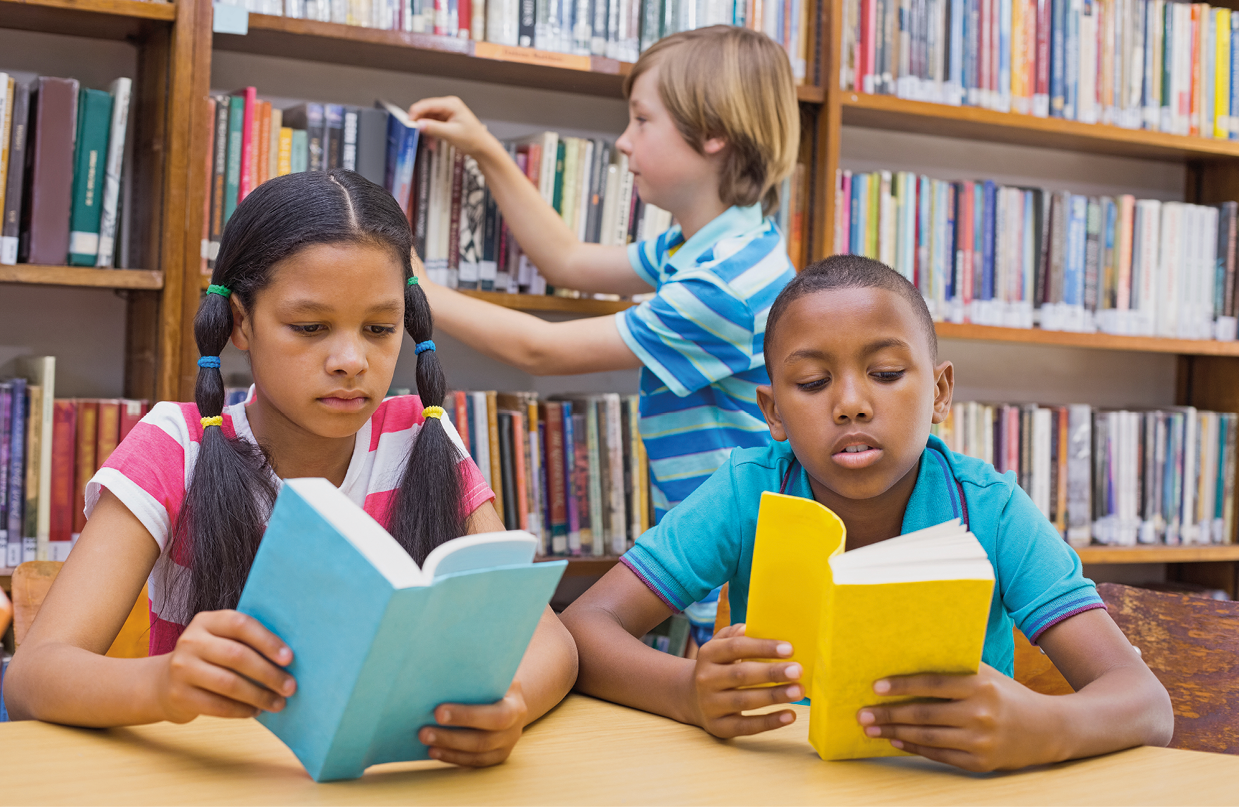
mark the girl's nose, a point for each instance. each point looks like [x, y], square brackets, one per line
[348, 357]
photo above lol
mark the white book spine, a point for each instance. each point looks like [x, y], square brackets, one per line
[121, 90]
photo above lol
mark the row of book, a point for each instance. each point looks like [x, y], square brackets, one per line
[49, 449]
[1115, 477]
[1141, 64]
[571, 469]
[62, 150]
[1010, 256]
[616, 29]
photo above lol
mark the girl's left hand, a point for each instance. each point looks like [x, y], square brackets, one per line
[986, 721]
[477, 736]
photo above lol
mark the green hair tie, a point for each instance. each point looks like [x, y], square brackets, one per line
[413, 280]
[222, 291]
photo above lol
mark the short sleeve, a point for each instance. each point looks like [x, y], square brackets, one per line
[643, 257]
[1040, 579]
[696, 547]
[693, 332]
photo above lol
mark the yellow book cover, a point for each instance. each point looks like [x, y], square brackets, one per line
[284, 164]
[1221, 83]
[918, 603]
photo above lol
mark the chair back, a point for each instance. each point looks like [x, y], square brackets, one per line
[31, 582]
[1191, 643]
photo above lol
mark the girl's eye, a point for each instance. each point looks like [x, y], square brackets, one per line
[814, 385]
[888, 375]
[382, 330]
[308, 329]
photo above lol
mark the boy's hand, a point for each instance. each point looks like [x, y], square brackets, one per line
[485, 733]
[449, 119]
[225, 664]
[988, 722]
[721, 672]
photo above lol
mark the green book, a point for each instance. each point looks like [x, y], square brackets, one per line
[94, 123]
[232, 175]
[300, 161]
[559, 178]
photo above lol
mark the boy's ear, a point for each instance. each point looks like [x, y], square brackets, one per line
[241, 325]
[774, 421]
[944, 388]
[713, 145]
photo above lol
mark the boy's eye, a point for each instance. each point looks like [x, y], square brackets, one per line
[888, 375]
[308, 329]
[814, 385]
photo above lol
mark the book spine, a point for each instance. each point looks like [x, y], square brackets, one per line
[348, 154]
[454, 223]
[131, 413]
[557, 506]
[568, 460]
[236, 156]
[11, 212]
[333, 136]
[520, 462]
[34, 469]
[204, 264]
[615, 449]
[87, 433]
[121, 90]
[60, 531]
[94, 117]
[49, 172]
[247, 179]
[16, 477]
[262, 146]
[496, 464]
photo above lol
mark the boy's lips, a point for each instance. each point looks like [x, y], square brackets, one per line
[856, 451]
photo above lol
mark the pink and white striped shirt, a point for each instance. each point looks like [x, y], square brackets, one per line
[150, 470]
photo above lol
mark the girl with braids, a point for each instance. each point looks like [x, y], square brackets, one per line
[312, 281]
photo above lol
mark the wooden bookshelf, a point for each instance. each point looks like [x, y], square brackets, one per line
[82, 276]
[1158, 554]
[583, 566]
[98, 19]
[1093, 341]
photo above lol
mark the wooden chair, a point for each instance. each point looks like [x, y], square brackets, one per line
[1191, 644]
[31, 582]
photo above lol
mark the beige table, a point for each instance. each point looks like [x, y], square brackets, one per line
[584, 752]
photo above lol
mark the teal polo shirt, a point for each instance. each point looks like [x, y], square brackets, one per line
[708, 539]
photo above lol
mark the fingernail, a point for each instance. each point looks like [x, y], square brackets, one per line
[277, 705]
[873, 731]
[882, 687]
[786, 718]
[793, 672]
[288, 687]
[784, 649]
[795, 693]
[447, 716]
[286, 655]
[897, 743]
[430, 738]
[865, 718]
[435, 753]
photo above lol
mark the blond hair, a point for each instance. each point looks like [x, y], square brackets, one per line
[736, 84]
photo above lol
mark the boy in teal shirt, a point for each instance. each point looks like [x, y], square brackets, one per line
[850, 406]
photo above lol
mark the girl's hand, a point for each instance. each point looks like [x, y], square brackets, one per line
[720, 673]
[225, 664]
[449, 119]
[485, 735]
[987, 722]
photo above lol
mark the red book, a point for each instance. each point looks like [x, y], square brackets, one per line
[131, 412]
[249, 160]
[108, 436]
[453, 234]
[519, 437]
[64, 437]
[87, 431]
[460, 417]
[557, 489]
[464, 19]
[1044, 8]
[866, 46]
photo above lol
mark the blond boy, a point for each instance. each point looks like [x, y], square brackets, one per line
[713, 129]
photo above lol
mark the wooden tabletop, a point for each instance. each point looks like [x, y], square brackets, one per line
[584, 752]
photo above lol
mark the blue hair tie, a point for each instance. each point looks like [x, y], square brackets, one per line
[209, 361]
[422, 347]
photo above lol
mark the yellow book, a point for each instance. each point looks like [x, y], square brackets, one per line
[284, 165]
[918, 603]
[1221, 80]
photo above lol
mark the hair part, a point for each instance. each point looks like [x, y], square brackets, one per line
[232, 486]
[737, 84]
[850, 272]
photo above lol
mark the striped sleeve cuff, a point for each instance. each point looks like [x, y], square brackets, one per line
[640, 262]
[1065, 607]
[641, 563]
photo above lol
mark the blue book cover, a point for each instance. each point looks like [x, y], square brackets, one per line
[1004, 54]
[378, 643]
[855, 246]
[1167, 99]
[569, 460]
[402, 138]
[948, 196]
[1058, 57]
[18, 411]
[1073, 264]
[1071, 63]
[987, 245]
[978, 239]
[972, 36]
[469, 427]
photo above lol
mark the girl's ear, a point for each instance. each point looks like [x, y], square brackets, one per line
[765, 399]
[242, 327]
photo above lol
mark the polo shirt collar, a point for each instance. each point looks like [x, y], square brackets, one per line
[731, 223]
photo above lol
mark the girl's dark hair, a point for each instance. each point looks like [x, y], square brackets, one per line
[232, 487]
[850, 272]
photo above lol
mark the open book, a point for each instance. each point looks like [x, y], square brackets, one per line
[378, 643]
[918, 603]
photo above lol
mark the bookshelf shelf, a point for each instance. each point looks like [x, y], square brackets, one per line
[82, 276]
[98, 19]
[581, 566]
[1157, 554]
[1095, 341]
[973, 123]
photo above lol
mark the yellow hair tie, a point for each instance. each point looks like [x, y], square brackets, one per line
[218, 420]
[433, 412]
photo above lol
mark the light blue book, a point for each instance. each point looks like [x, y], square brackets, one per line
[377, 642]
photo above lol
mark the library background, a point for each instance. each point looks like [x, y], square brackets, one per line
[1059, 179]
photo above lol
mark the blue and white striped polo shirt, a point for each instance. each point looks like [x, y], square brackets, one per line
[700, 338]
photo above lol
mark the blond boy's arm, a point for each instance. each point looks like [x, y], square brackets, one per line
[559, 255]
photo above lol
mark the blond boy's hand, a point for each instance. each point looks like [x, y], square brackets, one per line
[985, 722]
[449, 119]
[722, 678]
[477, 736]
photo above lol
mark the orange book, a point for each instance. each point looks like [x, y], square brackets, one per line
[264, 141]
[131, 412]
[1193, 122]
[64, 426]
[108, 435]
[87, 431]
[518, 462]
[460, 417]
[496, 467]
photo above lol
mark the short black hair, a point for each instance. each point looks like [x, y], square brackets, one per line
[850, 272]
